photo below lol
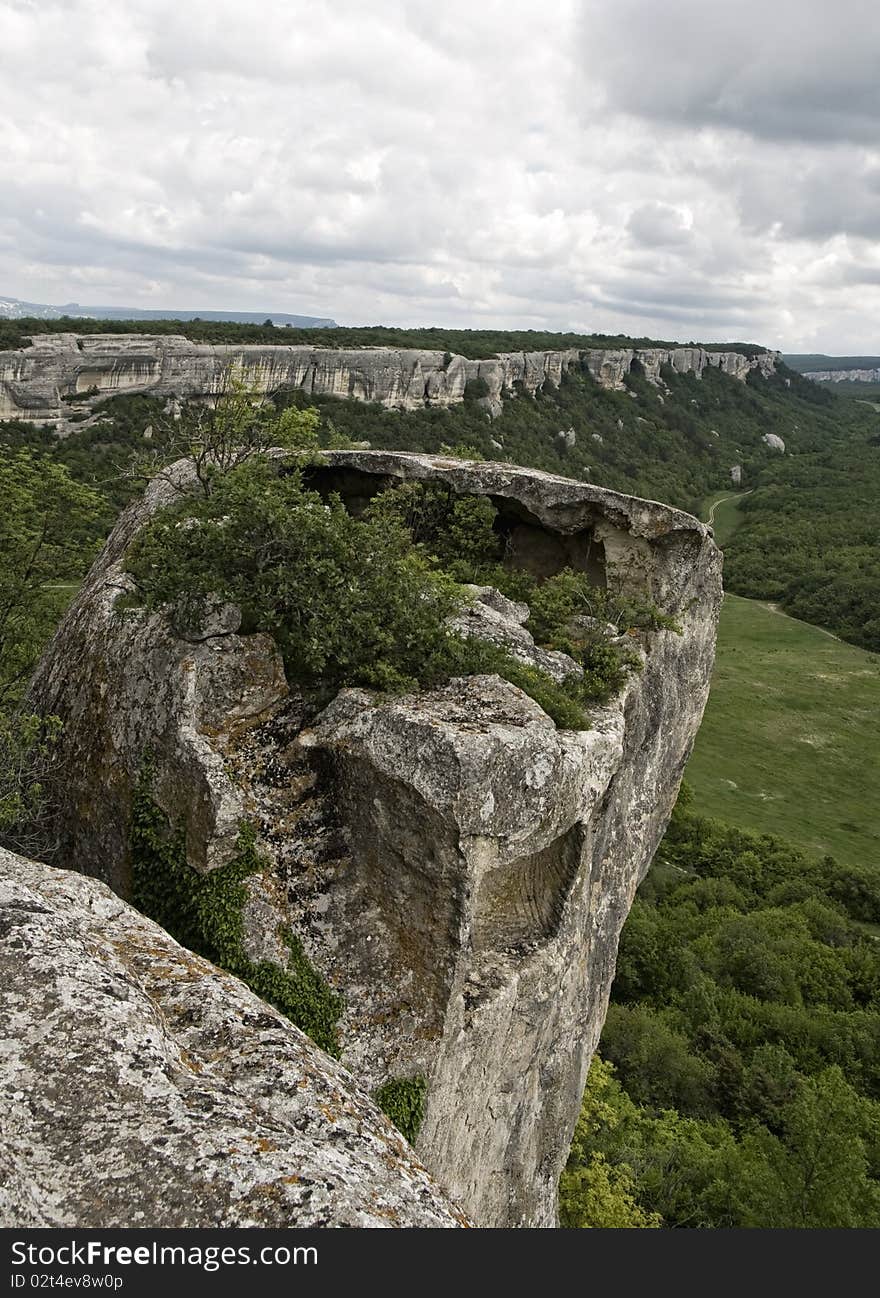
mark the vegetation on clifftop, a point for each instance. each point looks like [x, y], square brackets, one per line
[473, 343]
[366, 600]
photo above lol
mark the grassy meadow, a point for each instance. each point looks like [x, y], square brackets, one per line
[790, 743]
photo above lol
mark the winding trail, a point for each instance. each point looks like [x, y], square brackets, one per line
[734, 495]
[774, 608]
[771, 608]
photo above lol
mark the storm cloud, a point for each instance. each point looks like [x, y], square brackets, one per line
[687, 169]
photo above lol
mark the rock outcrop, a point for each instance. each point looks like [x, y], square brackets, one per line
[143, 1087]
[59, 373]
[455, 866]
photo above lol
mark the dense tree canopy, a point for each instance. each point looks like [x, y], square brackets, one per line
[739, 1078]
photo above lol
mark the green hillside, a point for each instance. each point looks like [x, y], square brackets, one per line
[807, 539]
[805, 362]
[789, 742]
[675, 445]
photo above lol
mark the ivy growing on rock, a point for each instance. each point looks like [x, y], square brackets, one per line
[402, 1100]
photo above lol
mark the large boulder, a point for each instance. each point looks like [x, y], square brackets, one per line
[144, 1087]
[453, 864]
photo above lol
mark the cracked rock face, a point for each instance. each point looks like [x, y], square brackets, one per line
[142, 1087]
[33, 380]
[453, 864]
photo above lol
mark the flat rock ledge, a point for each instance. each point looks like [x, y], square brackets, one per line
[143, 1087]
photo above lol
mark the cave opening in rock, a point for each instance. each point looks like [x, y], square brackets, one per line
[542, 551]
[528, 543]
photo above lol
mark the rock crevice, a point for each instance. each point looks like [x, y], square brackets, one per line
[145, 1088]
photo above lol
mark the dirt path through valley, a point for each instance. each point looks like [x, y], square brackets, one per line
[734, 495]
[774, 608]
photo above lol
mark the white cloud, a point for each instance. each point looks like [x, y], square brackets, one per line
[698, 170]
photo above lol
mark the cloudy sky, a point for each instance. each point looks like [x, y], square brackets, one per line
[692, 169]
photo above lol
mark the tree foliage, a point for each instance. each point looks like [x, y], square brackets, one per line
[356, 600]
[739, 1083]
[46, 539]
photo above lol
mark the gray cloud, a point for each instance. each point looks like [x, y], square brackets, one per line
[691, 168]
[657, 225]
[787, 69]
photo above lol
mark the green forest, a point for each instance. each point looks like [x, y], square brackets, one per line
[808, 537]
[473, 343]
[738, 1081]
[806, 362]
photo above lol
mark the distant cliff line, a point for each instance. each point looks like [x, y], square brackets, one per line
[42, 382]
[844, 376]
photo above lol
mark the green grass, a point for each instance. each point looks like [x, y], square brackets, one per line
[790, 743]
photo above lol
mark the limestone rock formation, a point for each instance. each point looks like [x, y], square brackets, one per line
[498, 620]
[35, 379]
[455, 866]
[774, 442]
[611, 367]
[143, 1087]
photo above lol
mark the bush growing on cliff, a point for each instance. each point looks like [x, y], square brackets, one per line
[204, 912]
[27, 781]
[567, 612]
[349, 600]
[238, 425]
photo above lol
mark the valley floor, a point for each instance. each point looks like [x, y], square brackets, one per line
[789, 744]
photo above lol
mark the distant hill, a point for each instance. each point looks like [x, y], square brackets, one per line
[812, 362]
[12, 308]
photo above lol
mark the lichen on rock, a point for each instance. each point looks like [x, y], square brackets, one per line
[143, 1087]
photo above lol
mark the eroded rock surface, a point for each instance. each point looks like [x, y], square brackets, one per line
[35, 379]
[143, 1087]
[453, 864]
